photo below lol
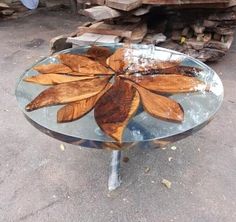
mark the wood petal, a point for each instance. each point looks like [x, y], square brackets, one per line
[53, 68]
[99, 53]
[83, 64]
[180, 70]
[76, 110]
[160, 106]
[115, 108]
[183, 70]
[117, 60]
[81, 74]
[165, 64]
[53, 79]
[130, 61]
[169, 83]
[68, 92]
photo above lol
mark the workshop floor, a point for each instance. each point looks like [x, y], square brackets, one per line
[41, 182]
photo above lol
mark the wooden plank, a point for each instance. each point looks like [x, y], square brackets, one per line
[139, 33]
[226, 16]
[224, 46]
[132, 32]
[203, 6]
[232, 3]
[125, 5]
[193, 43]
[97, 2]
[106, 29]
[4, 6]
[154, 38]
[7, 12]
[101, 13]
[142, 10]
[180, 2]
[224, 30]
[211, 55]
[89, 38]
[128, 20]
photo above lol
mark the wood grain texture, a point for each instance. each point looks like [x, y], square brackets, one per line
[115, 108]
[76, 110]
[138, 33]
[125, 5]
[178, 2]
[142, 10]
[171, 83]
[147, 65]
[91, 38]
[184, 70]
[99, 53]
[117, 60]
[68, 92]
[181, 70]
[101, 13]
[160, 106]
[4, 5]
[54, 79]
[165, 64]
[83, 64]
[53, 68]
[106, 29]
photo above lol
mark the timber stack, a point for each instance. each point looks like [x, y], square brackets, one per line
[203, 29]
[6, 10]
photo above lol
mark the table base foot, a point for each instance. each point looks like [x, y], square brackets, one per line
[114, 180]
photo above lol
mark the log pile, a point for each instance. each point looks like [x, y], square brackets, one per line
[202, 29]
[14, 9]
[5, 10]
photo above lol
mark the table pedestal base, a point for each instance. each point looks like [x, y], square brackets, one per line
[114, 180]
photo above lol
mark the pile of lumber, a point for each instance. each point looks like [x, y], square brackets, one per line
[206, 36]
[5, 10]
[13, 10]
[201, 28]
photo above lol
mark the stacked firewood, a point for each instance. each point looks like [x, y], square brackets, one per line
[202, 29]
[206, 36]
[5, 10]
[13, 10]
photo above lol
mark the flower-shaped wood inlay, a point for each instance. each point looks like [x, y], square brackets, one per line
[114, 85]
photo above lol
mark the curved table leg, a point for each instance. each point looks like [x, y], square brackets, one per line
[114, 171]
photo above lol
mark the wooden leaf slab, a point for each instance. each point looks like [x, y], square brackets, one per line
[53, 68]
[83, 64]
[54, 79]
[183, 70]
[115, 108]
[165, 64]
[146, 65]
[160, 106]
[68, 92]
[99, 53]
[169, 83]
[117, 60]
[76, 110]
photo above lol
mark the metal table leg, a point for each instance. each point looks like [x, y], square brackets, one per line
[114, 171]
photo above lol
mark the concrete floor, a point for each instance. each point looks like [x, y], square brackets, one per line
[40, 182]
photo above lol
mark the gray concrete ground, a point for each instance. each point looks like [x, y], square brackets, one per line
[40, 182]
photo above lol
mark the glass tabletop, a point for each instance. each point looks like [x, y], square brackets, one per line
[199, 107]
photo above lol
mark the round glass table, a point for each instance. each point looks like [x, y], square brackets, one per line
[143, 130]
